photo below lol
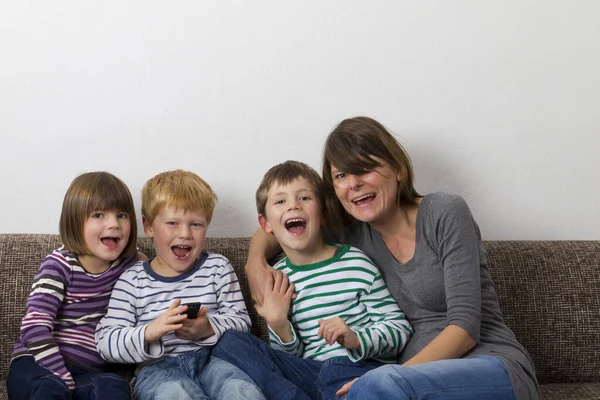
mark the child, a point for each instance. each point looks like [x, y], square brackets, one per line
[56, 357]
[343, 321]
[146, 322]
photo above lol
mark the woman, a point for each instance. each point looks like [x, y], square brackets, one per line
[431, 257]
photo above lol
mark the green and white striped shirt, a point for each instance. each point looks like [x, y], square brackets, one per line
[350, 286]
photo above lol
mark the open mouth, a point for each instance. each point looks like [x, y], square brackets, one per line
[295, 226]
[110, 242]
[181, 251]
[364, 199]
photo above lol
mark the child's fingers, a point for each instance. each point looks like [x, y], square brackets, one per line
[284, 284]
[278, 281]
[175, 319]
[336, 333]
[322, 327]
[203, 310]
[175, 304]
[269, 284]
[345, 389]
[290, 291]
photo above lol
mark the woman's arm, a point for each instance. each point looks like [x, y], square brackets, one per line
[452, 342]
[262, 248]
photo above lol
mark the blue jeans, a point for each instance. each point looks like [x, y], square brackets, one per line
[281, 375]
[477, 378]
[27, 380]
[194, 375]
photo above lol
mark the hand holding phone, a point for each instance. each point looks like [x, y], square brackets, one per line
[193, 309]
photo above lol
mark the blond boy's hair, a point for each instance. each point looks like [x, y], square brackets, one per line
[284, 174]
[179, 189]
[94, 191]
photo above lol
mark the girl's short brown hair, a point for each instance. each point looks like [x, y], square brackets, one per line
[351, 148]
[89, 192]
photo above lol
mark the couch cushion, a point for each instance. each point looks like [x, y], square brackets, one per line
[550, 297]
[562, 391]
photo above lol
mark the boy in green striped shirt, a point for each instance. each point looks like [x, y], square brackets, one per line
[330, 301]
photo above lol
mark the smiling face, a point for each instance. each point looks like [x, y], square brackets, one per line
[105, 233]
[293, 214]
[178, 238]
[370, 197]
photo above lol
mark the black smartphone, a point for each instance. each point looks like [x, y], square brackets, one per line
[193, 309]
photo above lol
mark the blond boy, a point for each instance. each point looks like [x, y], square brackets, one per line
[147, 322]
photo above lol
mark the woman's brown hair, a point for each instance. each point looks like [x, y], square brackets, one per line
[352, 147]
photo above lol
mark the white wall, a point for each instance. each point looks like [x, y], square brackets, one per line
[497, 101]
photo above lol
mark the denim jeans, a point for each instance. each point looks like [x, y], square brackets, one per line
[477, 378]
[304, 378]
[194, 375]
[27, 380]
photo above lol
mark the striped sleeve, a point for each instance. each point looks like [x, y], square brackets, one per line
[388, 331]
[118, 339]
[231, 310]
[37, 326]
[295, 347]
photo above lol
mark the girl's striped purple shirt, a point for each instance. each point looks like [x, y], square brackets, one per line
[65, 305]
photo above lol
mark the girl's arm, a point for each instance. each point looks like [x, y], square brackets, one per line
[262, 248]
[47, 294]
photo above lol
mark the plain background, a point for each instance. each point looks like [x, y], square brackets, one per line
[496, 101]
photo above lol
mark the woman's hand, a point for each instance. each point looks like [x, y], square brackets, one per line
[346, 388]
[335, 330]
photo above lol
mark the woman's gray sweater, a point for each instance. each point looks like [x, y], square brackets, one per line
[448, 282]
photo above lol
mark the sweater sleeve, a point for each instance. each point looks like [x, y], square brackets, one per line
[118, 339]
[231, 310]
[295, 347]
[458, 242]
[47, 294]
[387, 330]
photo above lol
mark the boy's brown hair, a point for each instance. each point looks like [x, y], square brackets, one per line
[89, 192]
[283, 174]
[178, 189]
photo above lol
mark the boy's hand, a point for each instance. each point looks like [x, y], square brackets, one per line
[276, 302]
[196, 329]
[168, 321]
[335, 330]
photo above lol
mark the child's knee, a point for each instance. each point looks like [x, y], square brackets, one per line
[174, 390]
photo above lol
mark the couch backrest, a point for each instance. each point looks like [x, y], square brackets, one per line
[549, 294]
[550, 297]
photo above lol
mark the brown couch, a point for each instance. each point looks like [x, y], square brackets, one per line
[549, 294]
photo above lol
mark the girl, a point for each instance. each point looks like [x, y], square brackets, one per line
[56, 356]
